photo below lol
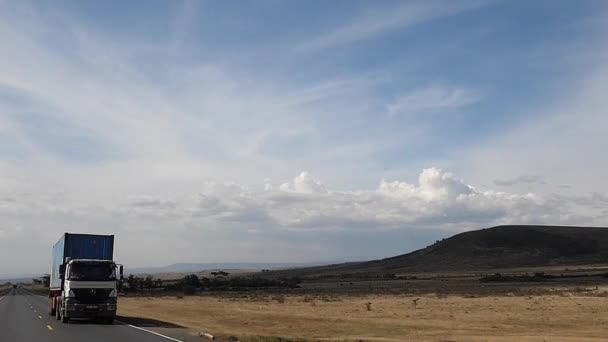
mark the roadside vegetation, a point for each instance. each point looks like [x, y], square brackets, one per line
[192, 284]
[5, 288]
[535, 277]
[39, 289]
[556, 304]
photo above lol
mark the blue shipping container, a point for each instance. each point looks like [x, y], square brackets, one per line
[80, 246]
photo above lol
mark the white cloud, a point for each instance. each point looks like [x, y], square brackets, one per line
[304, 184]
[432, 98]
[437, 200]
[228, 212]
[165, 145]
[528, 179]
[382, 20]
[433, 185]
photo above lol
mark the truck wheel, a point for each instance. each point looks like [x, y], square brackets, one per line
[51, 307]
[61, 315]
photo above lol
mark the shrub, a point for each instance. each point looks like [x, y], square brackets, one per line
[189, 290]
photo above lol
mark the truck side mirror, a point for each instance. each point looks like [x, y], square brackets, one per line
[121, 274]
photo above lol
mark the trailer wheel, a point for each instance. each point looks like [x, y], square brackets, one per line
[51, 306]
[57, 311]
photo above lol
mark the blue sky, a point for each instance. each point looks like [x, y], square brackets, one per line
[302, 128]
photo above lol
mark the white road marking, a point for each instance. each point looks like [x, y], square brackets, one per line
[132, 326]
[149, 331]
[1, 298]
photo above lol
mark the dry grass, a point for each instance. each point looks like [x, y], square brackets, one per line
[37, 289]
[180, 275]
[580, 315]
[4, 289]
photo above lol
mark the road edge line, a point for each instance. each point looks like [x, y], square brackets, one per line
[133, 326]
[149, 331]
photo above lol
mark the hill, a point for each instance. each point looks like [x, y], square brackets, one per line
[500, 247]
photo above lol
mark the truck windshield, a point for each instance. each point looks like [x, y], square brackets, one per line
[92, 271]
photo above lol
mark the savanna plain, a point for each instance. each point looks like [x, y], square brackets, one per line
[495, 313]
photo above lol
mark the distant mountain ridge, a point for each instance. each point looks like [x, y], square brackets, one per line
[486, 249]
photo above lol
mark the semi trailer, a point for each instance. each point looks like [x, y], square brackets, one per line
[84, 278]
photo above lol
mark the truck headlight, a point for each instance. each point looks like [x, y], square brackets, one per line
[71, 294]
[113, 293]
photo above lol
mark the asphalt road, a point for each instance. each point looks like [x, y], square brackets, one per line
[23, 317]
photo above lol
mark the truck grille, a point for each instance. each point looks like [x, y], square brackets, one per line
[91, 296]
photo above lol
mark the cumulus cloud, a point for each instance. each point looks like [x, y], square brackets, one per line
[526, 179]
[304, 184]
[438, 199]
[228, 212]
[433, 184]
[92, 140]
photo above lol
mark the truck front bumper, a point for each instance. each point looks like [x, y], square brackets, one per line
[99, 310]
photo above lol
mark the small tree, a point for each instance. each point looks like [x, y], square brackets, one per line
[192, 280]
[45, 280]
[132, 281]
[149, 282]
[189, 290]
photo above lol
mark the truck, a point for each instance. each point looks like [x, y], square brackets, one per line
[83, 282]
